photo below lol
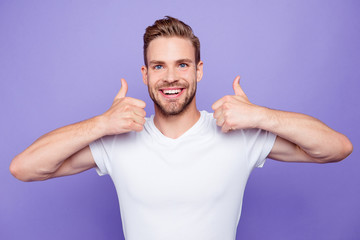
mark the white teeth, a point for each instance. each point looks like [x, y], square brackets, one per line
[175, 91]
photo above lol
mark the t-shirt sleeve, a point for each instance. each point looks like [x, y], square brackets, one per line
[101, 150]
[259, 144]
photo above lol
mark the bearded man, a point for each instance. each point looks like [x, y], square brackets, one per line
[181, 173]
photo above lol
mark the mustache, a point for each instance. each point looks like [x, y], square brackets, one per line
[172, 84]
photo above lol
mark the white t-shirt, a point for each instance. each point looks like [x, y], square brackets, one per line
[186, 188]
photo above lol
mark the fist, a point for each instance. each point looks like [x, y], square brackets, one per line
[236, 111]
[125, 114]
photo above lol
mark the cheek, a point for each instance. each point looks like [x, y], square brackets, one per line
[154, 77]
[151, 77]
[184, 74]
[190, 75]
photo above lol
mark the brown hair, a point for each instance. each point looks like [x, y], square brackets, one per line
[170, 27]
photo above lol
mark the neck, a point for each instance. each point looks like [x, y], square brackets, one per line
[176, 125]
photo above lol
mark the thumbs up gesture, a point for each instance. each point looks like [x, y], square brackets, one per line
[125, 114]
[236, 111]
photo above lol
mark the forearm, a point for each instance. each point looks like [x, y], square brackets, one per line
[64, 151]
[48, 152]
[310, 134]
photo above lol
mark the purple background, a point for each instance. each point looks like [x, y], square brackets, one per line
[61, 62]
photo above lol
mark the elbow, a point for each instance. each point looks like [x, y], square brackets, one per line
[17, 171]
[22, 172]
[345, 149]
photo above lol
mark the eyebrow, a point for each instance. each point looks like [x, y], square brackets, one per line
[156, 62]
[183, 60]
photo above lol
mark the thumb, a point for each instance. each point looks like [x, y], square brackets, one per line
[237, 88]
[123, 89]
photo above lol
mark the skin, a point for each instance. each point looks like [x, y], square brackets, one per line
[65, 151]
[300, 138]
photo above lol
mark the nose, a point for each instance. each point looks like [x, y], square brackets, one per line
[171, 74]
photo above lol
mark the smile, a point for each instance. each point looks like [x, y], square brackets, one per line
[171, 92]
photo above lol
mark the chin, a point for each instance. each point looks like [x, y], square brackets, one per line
[171, 112]
[173, 107]
[175, 110]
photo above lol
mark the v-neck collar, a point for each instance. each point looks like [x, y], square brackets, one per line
[166, 140]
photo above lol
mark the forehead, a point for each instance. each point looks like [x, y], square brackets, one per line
[170, 49]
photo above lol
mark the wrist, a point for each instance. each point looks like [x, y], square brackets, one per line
[265, 118]
[99, 126]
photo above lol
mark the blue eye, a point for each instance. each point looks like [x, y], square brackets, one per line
[157, 67]
[183, 65]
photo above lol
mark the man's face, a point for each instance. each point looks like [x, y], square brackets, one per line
[172, 75]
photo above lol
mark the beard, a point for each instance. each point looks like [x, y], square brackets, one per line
[173, 107]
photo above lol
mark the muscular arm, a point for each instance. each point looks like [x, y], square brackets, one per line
[65, 151]
[54, 153]
[301, 138]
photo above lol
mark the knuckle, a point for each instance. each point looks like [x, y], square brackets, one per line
[228, 98]
[129, 123]
[139, 128]
[126, 115]
[227, 105]
[143, 113]
[126, 107]
[230, 123]
[227, 115]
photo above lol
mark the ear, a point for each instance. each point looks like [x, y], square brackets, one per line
[199, 71]
[144, 74]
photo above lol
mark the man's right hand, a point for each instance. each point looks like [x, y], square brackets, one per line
[126, 114]
[65, 151]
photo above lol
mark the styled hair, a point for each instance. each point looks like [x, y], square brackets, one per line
[170, 27]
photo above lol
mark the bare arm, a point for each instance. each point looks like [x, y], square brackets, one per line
[63, 146]
[301, 138]
[65, 151]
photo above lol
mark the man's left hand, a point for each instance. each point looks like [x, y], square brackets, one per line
[236, 111]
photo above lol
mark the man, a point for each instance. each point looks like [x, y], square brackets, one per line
[181, 173]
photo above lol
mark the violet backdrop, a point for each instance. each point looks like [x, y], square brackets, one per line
[61, 62]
